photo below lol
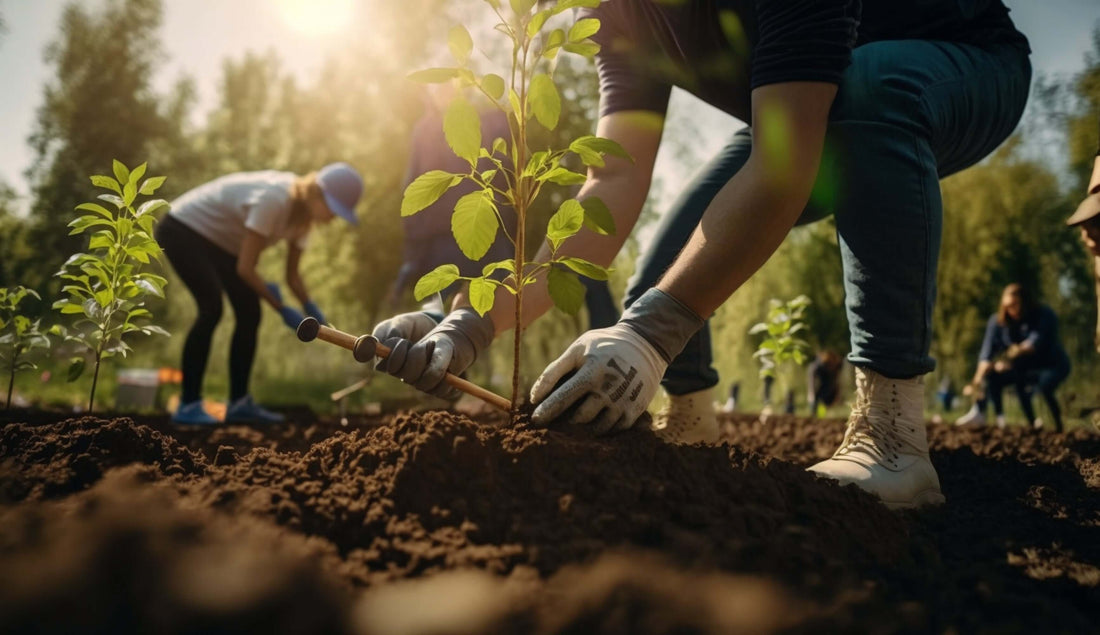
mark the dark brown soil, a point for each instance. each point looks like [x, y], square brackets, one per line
[433, 523]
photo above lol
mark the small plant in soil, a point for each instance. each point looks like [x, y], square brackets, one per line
[780, 346]
[107, 287]
[529, 95]
[20, 337]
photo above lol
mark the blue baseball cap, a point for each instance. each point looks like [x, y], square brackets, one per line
[342, 187]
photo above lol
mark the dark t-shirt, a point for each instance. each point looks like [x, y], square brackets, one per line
[719, 50]
[1040, 329]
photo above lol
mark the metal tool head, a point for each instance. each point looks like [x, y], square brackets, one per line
[366, 346]
[308, 329]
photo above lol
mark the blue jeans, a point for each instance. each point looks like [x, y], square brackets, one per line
[907, 113]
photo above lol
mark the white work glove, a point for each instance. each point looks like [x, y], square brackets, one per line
[423, 359]
[616, 370]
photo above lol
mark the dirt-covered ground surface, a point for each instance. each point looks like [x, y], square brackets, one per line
[434, 524]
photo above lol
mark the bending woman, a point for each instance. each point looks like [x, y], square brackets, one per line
[1021, 349]
[214, 236]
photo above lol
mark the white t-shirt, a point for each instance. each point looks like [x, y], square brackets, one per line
[224, 208]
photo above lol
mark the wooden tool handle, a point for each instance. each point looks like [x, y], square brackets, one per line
[310, 329]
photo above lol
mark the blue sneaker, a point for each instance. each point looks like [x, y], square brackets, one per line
[193, 414]
[244, 410]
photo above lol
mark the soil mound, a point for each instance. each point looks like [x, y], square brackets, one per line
[126, 556]
[436, 491]
[50, 461]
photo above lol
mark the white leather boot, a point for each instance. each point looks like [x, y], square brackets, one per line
[688, 419]
[885, 449]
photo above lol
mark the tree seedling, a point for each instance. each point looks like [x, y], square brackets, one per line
[107, 286]
[780, 346]
[20, 337]
[528, 95]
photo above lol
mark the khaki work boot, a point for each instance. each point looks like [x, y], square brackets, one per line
[885, 449]
[688, 419]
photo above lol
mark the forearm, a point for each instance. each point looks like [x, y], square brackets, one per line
[257, 284]
[743, 226]
[983, 368]
[297, 287]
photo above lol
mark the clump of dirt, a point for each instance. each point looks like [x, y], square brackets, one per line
[436, 491]
[51, 461]
[128, 556]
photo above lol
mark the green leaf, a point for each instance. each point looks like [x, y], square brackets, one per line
[148, 207]
[434, 75]
[426, 189]
[493, 84]
[122, 174]
[68, 307]
[98, 209]
[522, 7]
[493, 267]
[589, 144]
[585, 268]
[482, 294]
[435, 281]
[587, 48]
[462, 127]
[137, 173]
[565, 5]
[583, 29]
[101, 240]
[553, 43]
[563, 176]
[81, 224]
[566, 222]
[152, 329]
[759, 327]
[535, 25]
[461, 44]
[474, 224]
[536, 163]
[151, 184]
[500, 146]
[566, 290]
[597, 217]
[107, 183]
[76, 368]
[545, 100]
[113, 200]
[150, 288]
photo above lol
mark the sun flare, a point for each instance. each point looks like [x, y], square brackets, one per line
[317, 17]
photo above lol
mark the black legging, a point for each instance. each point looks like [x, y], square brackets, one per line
[208, 270]
[1045, 379]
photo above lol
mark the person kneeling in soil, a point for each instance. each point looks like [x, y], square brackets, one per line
[1021, 349]
[855, 109]
[213, 238]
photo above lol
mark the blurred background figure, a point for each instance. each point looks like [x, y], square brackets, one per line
[1087, 220]
[1021, 349]
[823, 381]
[731, 400]
[214, 236]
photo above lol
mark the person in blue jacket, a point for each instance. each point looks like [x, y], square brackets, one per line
[1021, 349]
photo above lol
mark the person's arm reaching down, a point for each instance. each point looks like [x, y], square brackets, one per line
[249, 255]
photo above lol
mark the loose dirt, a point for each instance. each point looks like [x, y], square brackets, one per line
[436, 523]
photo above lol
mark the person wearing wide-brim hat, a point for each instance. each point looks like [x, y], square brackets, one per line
[1087, 218]
[214, 236]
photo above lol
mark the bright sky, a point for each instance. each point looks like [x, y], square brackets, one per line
[199, 34]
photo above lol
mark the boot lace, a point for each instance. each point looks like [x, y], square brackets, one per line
[874, 427]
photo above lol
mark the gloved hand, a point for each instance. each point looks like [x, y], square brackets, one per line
[313, 311]
[616, 369]
[291, 316]
[452, 345]
[407, 326]
[273, 287]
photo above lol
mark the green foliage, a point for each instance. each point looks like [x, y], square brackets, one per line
[784, 321]
[20, 336]
[530, 94]
[107, 286]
